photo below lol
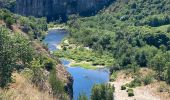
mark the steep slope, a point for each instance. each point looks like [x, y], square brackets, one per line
[48, 77]
[23, 89]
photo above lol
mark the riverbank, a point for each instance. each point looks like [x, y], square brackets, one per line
[83, 56]
[84, 64]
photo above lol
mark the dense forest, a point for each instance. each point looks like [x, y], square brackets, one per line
[135, 33]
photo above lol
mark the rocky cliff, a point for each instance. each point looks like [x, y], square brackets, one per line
[52, 9]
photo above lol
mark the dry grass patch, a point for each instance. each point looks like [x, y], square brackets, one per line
[22, 89]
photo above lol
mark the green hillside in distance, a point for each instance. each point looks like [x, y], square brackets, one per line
[136, 33]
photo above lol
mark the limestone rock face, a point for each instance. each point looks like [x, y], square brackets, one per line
[52, 9]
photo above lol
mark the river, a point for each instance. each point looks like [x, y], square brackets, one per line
[84, 79]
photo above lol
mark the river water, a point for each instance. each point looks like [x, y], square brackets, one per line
[84, 79]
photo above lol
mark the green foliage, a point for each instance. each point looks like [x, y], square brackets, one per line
[84, 65]
[7, 57]
[113, 76]
[34, 27]
[48, 63]
[56, 84]
[168, 72]
[148, 79]
[159, 62]
[16, 53]
[7, 17]
[168, 29]
[79, 55]
[82, 97]
[136, 82]
[24, 50]
[8, 4]
[38, 76]
[157, 20]
[164, 88]
[130, 35]
[102, 92]
[130, 92]
[123, 87]
[9, 21]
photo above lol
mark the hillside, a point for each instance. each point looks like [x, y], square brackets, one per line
[130, 38]
[130, 35]
[27, 70]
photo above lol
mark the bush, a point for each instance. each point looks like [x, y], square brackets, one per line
[136, 82]
[123, 87]
[163, 88]
[102, 92]
[7, 57]
[82, 97]
[38, 78]
[48, 63]
[113, 76]
[168, 29]
[147, 79]
[130, 92]
[55, 83]
[9, 21]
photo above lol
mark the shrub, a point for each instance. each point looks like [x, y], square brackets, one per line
[102, 92]
[7, 57]
[38, 77]
[136, 82]
[167, 73]
[130, 92]
[56, 84]
[168, 29]
[164, 88]
[48, 63]
[147, 79]
[82, 97]
[9, 21]
[123, 87]
[113, 76]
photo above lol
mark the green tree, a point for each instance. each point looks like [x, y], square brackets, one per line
[9, 21]
[82, 97]
[23, 49]
[158, 63]
[102, 92]
[141, 59]
[38, 76]
[7, 57]
[168, 72]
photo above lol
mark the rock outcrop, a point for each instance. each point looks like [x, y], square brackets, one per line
[52, 9]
